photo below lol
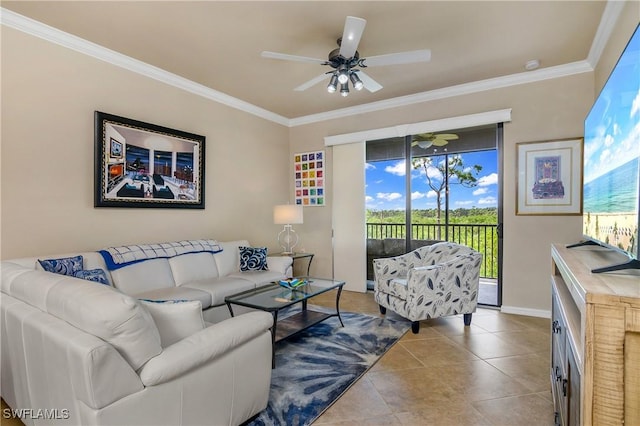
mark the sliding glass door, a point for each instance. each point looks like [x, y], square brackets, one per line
[425, 188]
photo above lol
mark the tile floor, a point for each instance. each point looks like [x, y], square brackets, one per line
[495, 372]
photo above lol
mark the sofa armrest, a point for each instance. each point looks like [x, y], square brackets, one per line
[203, 346]
[280, 264]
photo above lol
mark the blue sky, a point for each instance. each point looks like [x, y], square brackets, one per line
[385, 185]
[612, 128]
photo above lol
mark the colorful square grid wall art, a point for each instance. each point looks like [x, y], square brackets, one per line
[309, 178]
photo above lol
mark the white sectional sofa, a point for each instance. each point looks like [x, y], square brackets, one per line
[94, 354]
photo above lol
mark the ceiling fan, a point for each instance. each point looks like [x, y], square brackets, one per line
[346, 61]
[426, 140]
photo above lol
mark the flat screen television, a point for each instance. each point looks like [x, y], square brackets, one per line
[611, 189]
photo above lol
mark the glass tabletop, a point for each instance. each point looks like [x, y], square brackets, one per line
[272, 297]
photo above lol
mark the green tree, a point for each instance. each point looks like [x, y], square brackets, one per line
[442, 171]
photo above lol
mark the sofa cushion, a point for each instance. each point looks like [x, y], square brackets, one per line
[222, 287]
[177, 293]
[193, 267]
[175, 319]
[259, 277]
[64, 266]
[228, 260]
[253, 258]
[143, 276]
[96, 309]
[96, 275]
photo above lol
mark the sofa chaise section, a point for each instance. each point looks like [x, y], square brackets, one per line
[95, 353]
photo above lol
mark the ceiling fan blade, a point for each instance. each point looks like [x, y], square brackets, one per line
[286, 57]
[353, 28]
[369, 83]
[447, 136]
[410, 57]
[310, 83]
[439, 142]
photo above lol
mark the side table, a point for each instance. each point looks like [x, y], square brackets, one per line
[298, 256]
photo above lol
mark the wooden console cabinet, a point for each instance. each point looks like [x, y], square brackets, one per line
[595, 349]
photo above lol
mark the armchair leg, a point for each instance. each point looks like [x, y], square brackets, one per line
[415, 327]
[383, 310]
[467, 319]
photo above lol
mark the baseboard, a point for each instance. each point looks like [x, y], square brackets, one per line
[525, 311]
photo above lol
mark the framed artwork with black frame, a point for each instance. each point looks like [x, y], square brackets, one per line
[139, 164]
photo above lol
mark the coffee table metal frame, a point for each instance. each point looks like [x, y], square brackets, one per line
[273, 298]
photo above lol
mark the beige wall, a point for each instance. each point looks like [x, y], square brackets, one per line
[540, 111]
[552, 109]
[49, 94]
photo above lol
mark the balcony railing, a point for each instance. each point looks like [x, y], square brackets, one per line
[481, 237]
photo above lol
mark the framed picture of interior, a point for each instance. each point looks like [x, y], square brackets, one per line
[308, 178]
[549, 177]
[140, 164]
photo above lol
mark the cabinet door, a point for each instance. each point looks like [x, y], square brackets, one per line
[573, 389]
[558, 363]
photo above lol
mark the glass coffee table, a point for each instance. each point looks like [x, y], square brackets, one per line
[274, 298]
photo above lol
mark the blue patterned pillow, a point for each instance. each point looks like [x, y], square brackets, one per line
[96, 275]
[253, 259]
[65, 266]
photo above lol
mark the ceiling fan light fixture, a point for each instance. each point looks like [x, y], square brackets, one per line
[344, 89]
[343, 74]
[355, 80]
[333, 84]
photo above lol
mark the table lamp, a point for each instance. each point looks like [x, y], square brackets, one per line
[287, 214]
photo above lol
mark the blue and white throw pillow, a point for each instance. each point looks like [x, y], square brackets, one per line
[96, 275]
[64, 266]
[253, 259]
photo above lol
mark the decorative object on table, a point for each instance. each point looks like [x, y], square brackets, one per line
[549, 178]
[287, 215]
[140, 164]
[292, 283]
[309, 178]
[337, 357]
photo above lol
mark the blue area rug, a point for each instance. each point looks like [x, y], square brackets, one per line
[318, 365]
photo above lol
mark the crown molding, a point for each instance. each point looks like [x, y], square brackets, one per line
[38, 29]
[449, 92]
[610, 16]
[607, 24]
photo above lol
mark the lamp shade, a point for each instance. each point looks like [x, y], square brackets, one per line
[287, 214]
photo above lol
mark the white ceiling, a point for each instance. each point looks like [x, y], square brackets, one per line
[217, 44]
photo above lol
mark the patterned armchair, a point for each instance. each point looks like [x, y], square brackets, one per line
[430, 282]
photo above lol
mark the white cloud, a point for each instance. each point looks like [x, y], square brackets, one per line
[432, 194]
[480, 191]
[487, 180]
[464, 203]
[416, 195]
[397, 169]
[388, 196]
[608, 140]
[369, 166]
[368, 199]
[635, 105]
[488, 200]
